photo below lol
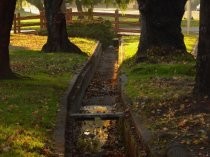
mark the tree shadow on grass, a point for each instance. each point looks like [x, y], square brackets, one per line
[14, 76]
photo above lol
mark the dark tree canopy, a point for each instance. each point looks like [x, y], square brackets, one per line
[202, 86]
[56, 26]
[161, 24]
[7, 9]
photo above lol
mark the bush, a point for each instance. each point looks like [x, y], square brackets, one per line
[96, 29]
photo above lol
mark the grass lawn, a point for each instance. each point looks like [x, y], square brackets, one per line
[36, 23]
[162, 93]
[28, 105]
[193, 23]
[130, 44]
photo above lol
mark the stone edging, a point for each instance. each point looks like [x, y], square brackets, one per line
[72, 99]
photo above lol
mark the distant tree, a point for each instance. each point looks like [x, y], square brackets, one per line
[19, 4]
[202, 86]
[37, 3]
[56, 26]
[90, 4]
[7, 9]
[161, 25]
[79, 8]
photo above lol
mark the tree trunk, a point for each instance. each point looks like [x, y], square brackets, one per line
[7, 9]
[202, 86]
[161, 25]
[56, 26]
[79, 8]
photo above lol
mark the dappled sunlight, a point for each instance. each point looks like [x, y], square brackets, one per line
[15, 140]
[190, 41]
[88, 48]
[27, 42]
[97, 109]
[130, 46]
[36, 42]
[94, 134]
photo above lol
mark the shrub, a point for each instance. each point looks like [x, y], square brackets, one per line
[96, 29]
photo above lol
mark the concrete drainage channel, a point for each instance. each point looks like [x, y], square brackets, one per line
[94, 114]
[96, 124]
[93, 120]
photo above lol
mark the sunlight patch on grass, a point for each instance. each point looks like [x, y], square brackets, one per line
[35, 42]
[142, 76]
[130, 46]
[190, 41]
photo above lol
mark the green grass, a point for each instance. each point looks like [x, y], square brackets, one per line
[156, 82]
[34, 21]
[161, 94]
[144, 79]
[193, 23]
[30, 21]
[130, 44]
[190, 41]
[28, 105]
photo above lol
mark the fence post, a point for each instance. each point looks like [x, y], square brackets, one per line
[116, 20]
[18, 22]
[44, 22]
[41, 20]
[15, 24]
[90, 14]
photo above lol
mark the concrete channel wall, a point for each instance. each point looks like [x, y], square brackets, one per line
[73, 97]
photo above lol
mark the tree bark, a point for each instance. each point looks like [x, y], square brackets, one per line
[56, 26]
[79, 8]
[7, 9]
[161, 25]
[202, 86]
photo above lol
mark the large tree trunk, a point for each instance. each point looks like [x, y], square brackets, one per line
[161, 25]
[56, 25]
[7, 9]
[202, 86]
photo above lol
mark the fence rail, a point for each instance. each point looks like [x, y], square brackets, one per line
[130, 24]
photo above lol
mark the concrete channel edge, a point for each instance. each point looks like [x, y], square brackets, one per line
[71, 102]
